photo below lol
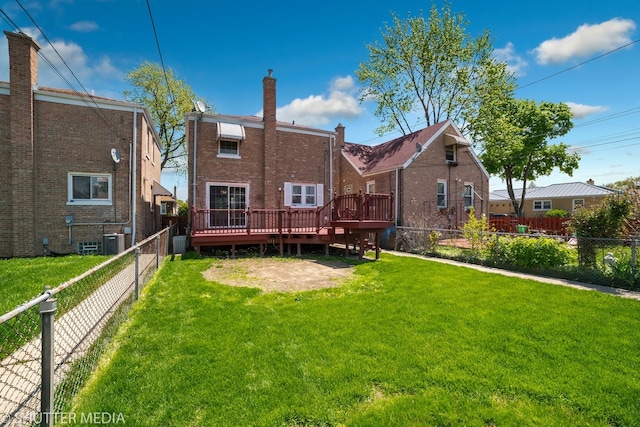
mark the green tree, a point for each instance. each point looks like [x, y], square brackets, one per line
[626, 184]
[605, 221]
[514, 135]
[168, 100]
[432, 68]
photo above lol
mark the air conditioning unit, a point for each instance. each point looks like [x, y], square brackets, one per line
[112, 244]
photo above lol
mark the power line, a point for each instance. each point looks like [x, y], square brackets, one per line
[97, 109]
[580, 64]
[8, 20]
[164, 70]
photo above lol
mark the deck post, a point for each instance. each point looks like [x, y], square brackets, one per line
[377, 245]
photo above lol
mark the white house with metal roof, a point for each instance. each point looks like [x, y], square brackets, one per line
[539, 200]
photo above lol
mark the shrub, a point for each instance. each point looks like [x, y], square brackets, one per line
[540, 252]
[558, 213]
[477, 231]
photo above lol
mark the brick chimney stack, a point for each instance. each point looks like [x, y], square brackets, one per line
[23, 77]
[270, 147]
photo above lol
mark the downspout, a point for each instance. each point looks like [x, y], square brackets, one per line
[195, 150]
[134, 191]
[331, 139]
[396, 199]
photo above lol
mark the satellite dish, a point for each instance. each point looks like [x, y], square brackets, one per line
[418, 147]
[199, 106]
[115, 155]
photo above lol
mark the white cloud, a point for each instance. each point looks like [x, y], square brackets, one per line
[515, 63]
[91, 72]
[580, 111]
[84, 26]
[586, 40]
[316, 110]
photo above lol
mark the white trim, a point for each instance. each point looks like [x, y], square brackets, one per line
[444, 183]
[464, 195]
[89, 202]
[573, 204]
[542, 208]
[369, 184]
[318, 196]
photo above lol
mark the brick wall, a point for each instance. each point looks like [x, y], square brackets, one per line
[296, 156]
[23, 74]
[417, 186]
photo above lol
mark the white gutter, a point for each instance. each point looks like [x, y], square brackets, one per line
[134, 193]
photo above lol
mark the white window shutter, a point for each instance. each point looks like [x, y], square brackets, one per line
[287, 194]
[320, 195]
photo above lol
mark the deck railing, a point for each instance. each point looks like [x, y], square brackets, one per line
[363, 207]
[254, 221]
[350, 207]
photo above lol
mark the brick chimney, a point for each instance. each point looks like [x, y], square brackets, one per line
[270, 148]
[23, 76]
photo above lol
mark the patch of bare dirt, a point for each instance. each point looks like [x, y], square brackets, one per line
[279, 275]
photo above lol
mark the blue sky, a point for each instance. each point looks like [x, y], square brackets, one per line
[561, 51]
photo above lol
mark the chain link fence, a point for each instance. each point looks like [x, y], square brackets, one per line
[609, 262]
[50, 345]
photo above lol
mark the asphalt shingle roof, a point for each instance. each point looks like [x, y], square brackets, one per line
[392, 154]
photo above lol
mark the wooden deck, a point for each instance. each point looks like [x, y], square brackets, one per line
[349, 220]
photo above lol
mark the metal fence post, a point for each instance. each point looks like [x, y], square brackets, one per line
[47, 310]
[136, 291]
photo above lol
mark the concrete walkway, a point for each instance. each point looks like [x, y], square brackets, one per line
[563, 282]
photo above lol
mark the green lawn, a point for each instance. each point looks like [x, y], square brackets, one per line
[22, 279]
[407, 342]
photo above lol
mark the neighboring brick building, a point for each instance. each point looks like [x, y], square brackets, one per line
[236, 162]
[434, 173]
[62, 189]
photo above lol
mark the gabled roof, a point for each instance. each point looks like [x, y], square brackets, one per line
[556, 191]
[395, 154]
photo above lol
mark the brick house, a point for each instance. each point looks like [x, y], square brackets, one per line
[80, 170]
[434, 173]
[237, 163]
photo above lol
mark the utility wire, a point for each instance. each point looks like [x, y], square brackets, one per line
[164, 70]
[97, 108]
[9, 21]
[580, 64]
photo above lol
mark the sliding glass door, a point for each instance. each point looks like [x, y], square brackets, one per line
[228, 203]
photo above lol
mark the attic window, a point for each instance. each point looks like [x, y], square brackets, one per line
[230, 131]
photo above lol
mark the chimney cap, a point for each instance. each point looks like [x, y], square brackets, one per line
[270, 72]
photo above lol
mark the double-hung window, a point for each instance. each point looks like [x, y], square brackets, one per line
[442, 194]
[229, 148]
[542, 205]
[303, 195]
[467, 196]
[89, 189]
